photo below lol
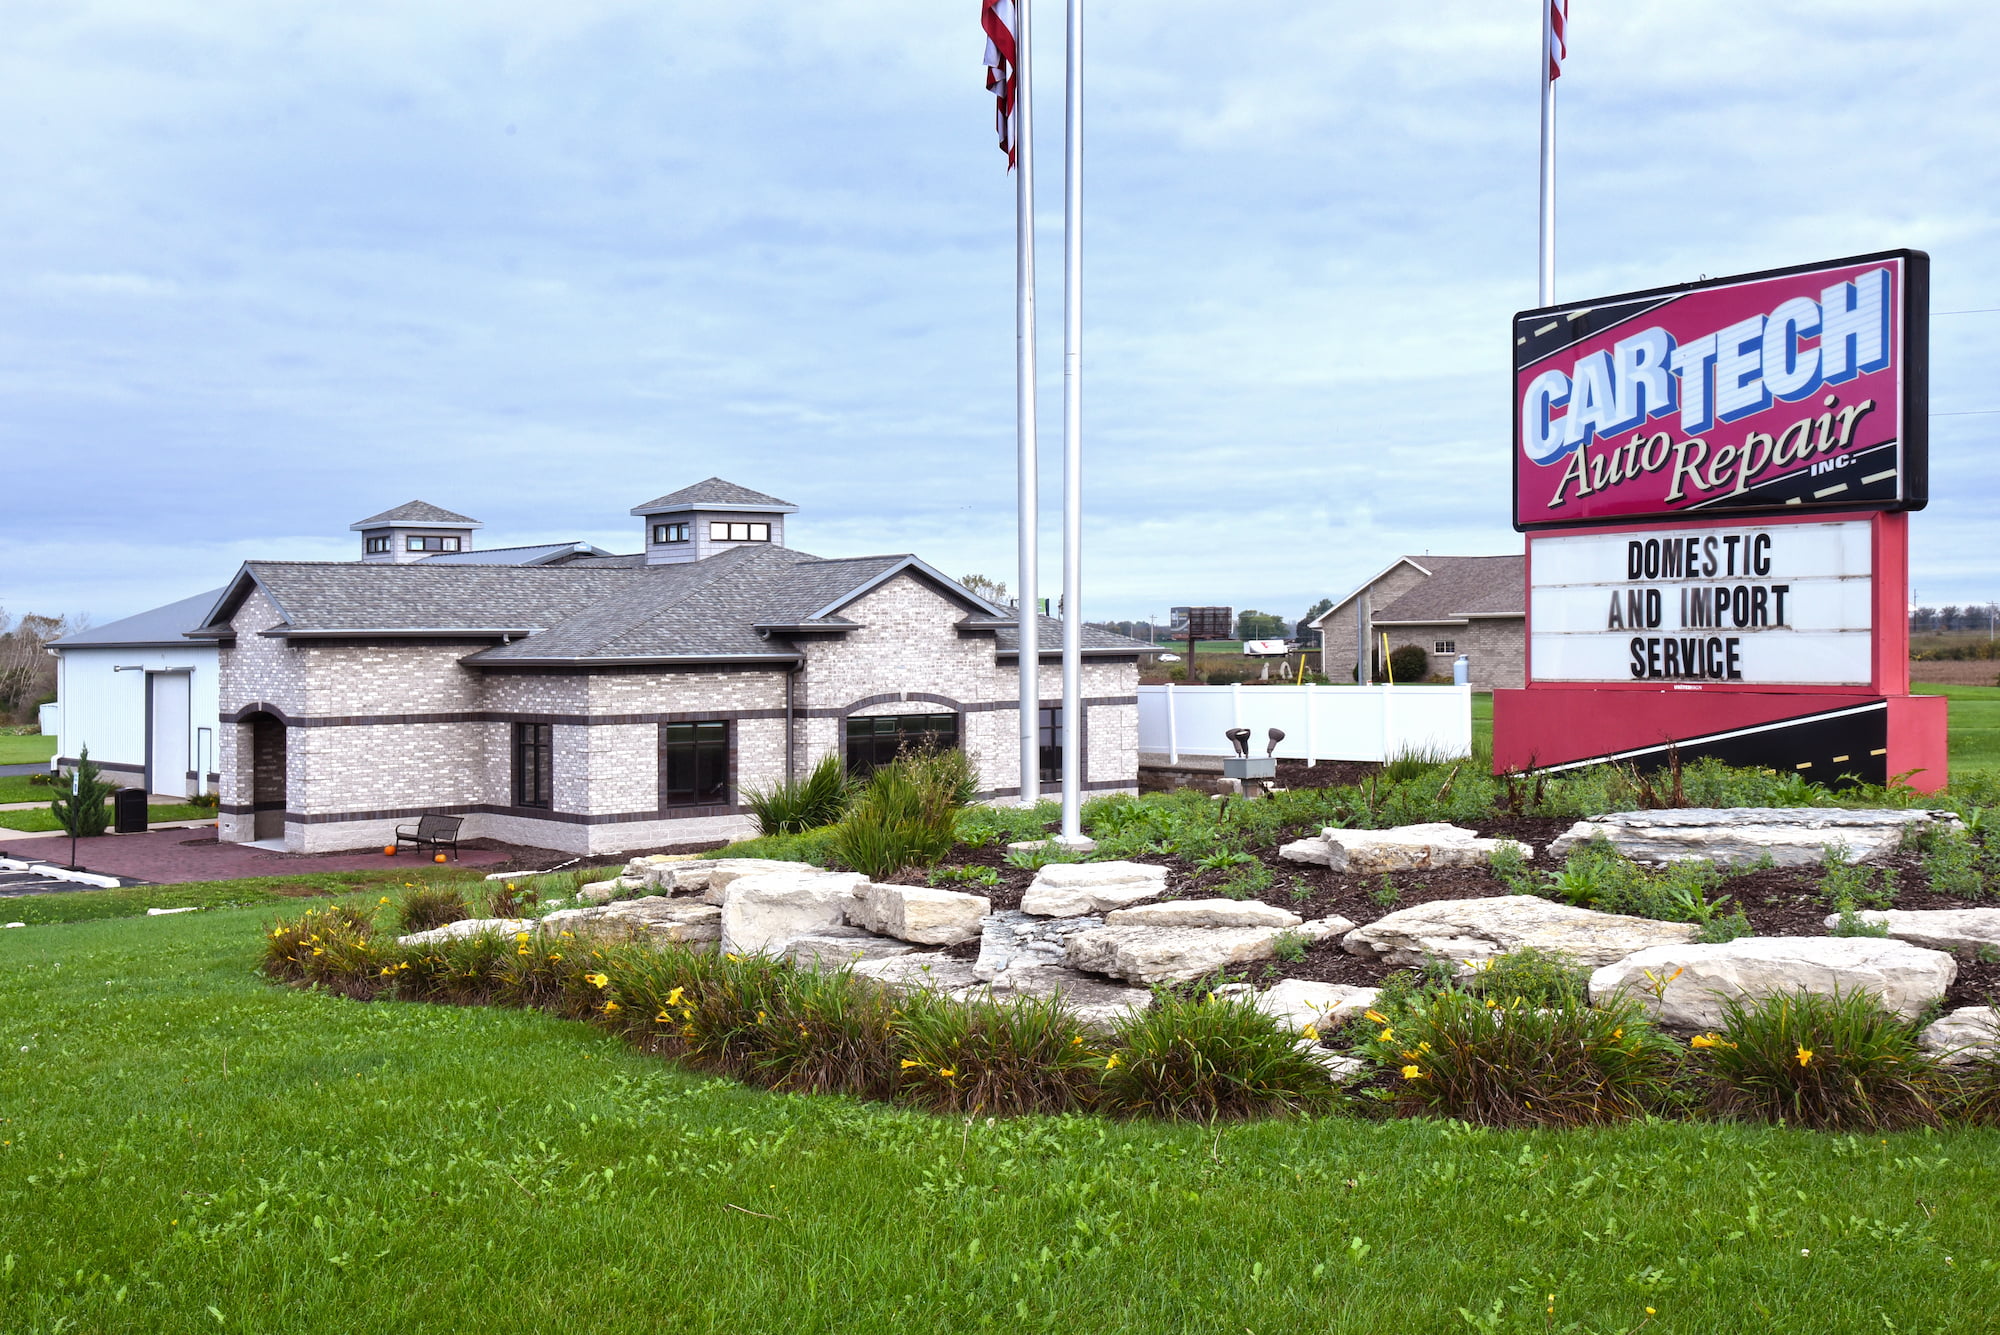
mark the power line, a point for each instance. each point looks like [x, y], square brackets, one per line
[1969, 412]
[1980, 310]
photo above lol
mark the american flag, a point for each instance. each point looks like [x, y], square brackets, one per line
[996, 18]
[1558, 45]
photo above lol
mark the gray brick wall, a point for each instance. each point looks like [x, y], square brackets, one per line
[358, 764]
[1337, 653]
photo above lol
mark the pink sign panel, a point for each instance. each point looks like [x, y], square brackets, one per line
[1792, 391]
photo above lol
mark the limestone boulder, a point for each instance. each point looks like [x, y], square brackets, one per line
[600, 892]
[1339, 1067]
[710, 877]
[1297, 1002]
[1069, 889]
[838, 947]
[1404, 848]
[923, 972]
[1685, 986]
[1013, 939]
[1738, 836]
[1968, 1034]
[1150, 955]
[920, 913]
[660, 918]
[1203, 913]
[763, 911]
[1938, 929]
[468, 927]
[1098, 1004]
[1479, 929]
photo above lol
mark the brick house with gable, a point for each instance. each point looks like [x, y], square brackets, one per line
[1446, 606]
[569, 699]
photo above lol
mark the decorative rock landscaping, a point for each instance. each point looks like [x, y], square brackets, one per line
[1685, 986]
[1171, 954]
[1939, 929]
[1741, 836]
[1970, 1033]
[1014, 939]
[1478, 929]
[1067, 889]
[1405, 848]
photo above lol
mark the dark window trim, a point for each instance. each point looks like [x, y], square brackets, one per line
[860, 766]
[759, 531]
[534, 765]
[422, 542]
[710, 799]
[664, 534]
[381, 546]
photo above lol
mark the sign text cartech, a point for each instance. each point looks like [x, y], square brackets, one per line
[1796, 388]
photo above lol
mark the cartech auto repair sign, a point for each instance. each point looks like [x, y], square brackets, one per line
[1790, 390]
[1742, 604]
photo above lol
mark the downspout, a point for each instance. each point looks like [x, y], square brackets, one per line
[791, 753]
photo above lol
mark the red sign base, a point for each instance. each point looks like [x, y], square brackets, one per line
[1821, 737]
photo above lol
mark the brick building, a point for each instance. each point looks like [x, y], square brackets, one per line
[565, 698]
[1446, 606]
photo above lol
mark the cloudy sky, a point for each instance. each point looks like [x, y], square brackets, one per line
[268, 267]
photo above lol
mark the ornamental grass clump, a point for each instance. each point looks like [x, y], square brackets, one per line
[1836, 1062]
[333, 948]
[797, 805]
[1512, 1062]
[827, 1033]
[995, 1058]
[429, 906]
[906, 815]
[1216, 1059]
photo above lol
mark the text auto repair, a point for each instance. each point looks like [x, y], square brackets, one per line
[1786, 355]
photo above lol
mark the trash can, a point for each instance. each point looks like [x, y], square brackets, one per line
[128, 811]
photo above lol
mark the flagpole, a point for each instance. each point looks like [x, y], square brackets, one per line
[1072, 608]
[1547, 240]
[1028, 479]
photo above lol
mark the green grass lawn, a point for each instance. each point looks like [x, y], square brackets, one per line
[1975, 725]
[16, 788]
[16, 750]
[41, 818]
[185, 1148]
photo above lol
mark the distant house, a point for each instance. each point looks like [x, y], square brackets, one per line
[1444, 605]
[596, 703]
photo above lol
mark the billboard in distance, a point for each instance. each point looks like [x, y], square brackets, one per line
[1788, 391]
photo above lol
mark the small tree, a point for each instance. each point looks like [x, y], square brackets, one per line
[1305, 626]
[80, 809]
[992, 590]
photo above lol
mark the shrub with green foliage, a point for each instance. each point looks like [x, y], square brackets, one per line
[332, 947]
[1517, 1063]
[1960, 862]
[1409, 662]
[1838, 1063]
[429, 906]
[1531, 976]
[1597, 876]
[1215, 1059]
[796, 805]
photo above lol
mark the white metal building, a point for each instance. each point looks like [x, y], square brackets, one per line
[143, 698]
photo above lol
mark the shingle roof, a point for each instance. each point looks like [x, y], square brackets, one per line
[1096, 640]
[335, 597]
[416, 512]
[161, 625]
[744, 603]
[714, 494]
[1463, 586]
[541, 554]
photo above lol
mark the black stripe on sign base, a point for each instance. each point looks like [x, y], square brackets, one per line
[1837, 749]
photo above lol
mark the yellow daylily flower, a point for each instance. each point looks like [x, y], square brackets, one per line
[946, 1072]
[907, 1063]
[1111, 1062]
[674, 997]
[1805, 1055]
[1310, 1033]
[598, 979]
[1377, 1016]
[1385, 1036]
[1413, 1072]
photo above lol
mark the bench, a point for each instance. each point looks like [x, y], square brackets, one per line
[437, 833]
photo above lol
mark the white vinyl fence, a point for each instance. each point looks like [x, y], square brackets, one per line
[1319, 722]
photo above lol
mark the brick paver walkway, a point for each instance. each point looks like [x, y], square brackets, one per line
[173, 857]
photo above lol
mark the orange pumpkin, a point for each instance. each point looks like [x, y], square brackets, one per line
[437, 857]
[388, 850]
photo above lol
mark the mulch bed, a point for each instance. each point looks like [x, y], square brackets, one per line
[1780, 901]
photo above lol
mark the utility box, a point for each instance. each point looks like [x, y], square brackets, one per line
[128, 811]
[1249, 767]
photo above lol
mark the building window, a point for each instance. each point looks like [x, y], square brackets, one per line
[720, 532]
[1049, 729]
[414, 544]
[534, 764]
[378, 546]
[1447, 646]
[697, 764]
[874, 742]
[671, 532]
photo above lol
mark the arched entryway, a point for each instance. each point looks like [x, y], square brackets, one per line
[267, 776]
